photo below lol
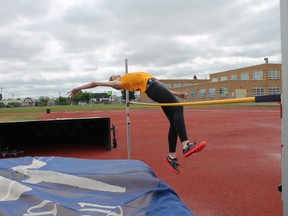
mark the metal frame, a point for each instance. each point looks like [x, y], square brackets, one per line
[284, 47]
[128, 117]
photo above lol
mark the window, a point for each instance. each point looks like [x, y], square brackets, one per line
[274, 90]
[211, 92]
[245, 76]
[186, 84]
[176, 85]
[194, 93]
[273, 74]
[234, 77]
[168, 85]
[202, 93]
[223, 78]
[215, 79]
[223, 91]
[258, 91]
[258, 75]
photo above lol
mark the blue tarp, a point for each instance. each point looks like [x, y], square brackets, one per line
[69, 186]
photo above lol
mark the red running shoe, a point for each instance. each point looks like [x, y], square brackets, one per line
[173, 165]
[193, 148]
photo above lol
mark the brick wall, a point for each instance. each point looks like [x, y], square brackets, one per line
[230, 84]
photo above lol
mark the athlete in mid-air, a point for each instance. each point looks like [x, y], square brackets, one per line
[155, 90]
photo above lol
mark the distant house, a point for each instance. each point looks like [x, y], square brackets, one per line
[26, 102]
[100, 98]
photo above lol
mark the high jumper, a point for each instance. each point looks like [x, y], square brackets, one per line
[155, 90]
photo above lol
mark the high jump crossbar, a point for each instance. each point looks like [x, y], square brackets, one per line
[263, 98]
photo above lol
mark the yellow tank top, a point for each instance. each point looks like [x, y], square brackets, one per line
[136, 81]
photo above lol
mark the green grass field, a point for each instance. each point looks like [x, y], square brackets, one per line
[32, 113]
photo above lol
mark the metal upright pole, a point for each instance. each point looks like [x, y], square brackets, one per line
[284, 100]
[128, 116]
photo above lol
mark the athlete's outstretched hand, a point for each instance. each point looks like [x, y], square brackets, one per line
[73, 92]
[180, 94]
[183, 95]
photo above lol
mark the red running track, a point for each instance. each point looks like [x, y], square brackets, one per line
[236, 174]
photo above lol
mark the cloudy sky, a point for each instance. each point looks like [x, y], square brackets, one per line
[49, 47]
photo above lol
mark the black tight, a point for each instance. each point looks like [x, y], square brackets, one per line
[159, 93]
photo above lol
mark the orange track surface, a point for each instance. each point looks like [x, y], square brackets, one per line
[236, 174]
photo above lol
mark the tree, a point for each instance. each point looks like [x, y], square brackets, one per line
[81, 96]
[43, 101]
[61, 101]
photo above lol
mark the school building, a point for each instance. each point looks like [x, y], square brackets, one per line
[263, 79]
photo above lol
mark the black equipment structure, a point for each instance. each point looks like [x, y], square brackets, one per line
[57, 131]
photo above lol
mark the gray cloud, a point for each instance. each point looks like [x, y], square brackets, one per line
[47, 47]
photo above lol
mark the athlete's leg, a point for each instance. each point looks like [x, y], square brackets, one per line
[159, 93]
[172, 134]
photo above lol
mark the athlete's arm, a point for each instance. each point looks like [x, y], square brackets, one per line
[113, 84]
[180, 94]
